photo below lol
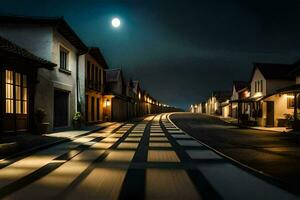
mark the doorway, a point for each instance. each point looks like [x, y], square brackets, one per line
[61, 108]
[270, 114]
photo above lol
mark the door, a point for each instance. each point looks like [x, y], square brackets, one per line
[61, 108]
[270, 113]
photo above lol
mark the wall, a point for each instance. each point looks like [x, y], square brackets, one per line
[280, 107]
[257, 77]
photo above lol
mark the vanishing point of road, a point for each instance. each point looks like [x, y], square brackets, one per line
[148, 159]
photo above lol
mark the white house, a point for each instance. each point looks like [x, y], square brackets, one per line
[268, 107]
[51, 39]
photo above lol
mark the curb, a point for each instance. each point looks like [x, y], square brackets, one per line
[247, 127]
[18, 156]
[260, 174]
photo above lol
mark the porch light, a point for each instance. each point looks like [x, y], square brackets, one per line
[107, 103]
[289, 96]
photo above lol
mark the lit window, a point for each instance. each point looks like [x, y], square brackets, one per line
[16, 96]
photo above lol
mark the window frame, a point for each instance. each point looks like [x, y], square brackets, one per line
[66, 62]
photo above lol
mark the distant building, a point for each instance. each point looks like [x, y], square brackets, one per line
[213, 106]
[92, 85]
[115, 99]
[240, 92]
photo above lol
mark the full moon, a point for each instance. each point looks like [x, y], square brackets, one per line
[116, 22]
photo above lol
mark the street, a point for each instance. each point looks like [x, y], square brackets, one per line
[272, 153]
[151, 159]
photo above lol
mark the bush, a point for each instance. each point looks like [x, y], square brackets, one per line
[40, 115]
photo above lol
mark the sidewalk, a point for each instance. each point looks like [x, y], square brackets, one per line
[16, 145]
[234, 121]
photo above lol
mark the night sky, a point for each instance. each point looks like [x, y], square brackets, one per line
[180, 50]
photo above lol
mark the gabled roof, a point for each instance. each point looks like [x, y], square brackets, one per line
[113, 75]
[221, 95]
[274, 71]
[97, 55]
[240, 85]
[8, 49]
[136, 85]
[58, 23]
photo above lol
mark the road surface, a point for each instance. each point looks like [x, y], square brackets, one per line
[151, 159]
[275, 154]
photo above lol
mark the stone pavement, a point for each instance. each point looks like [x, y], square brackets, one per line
[151, 159]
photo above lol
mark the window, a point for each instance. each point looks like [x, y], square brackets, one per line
[88, 72]
[63, 56]
[258, 86]
[100, 77]
[16, 97]
[98, 109]
[261, 85]
[97, 77]
[255, 87]
[93, 75]
[290, 102]
[92, 109]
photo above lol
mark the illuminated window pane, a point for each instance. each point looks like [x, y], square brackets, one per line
[25, 94]
[24, 81]
[18, 107]
[8, 76]
[9, 106]
[18, 92]
[18, 79]
[24, 107]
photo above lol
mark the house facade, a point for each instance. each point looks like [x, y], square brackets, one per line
[51, 39]
[213, 105]
[267, 106]
[92, 85]
[18, 77]
[237, 107]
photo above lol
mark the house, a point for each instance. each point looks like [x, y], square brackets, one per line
[132, 99]
[237, 106]
[18, 77]
[92, 85]
[51, 39]
[138, 95]
[115, 99]
[268, 107]
[213, 106]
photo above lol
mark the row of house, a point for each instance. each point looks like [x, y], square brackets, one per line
[270, 98]
[45, 65]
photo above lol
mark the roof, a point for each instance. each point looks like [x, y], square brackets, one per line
[274, 71]
[112, 75]
[291, 88]
[8, 48]
[136, 85]
[240, 85]
[95, 52]
[58, 23]
[222, 95]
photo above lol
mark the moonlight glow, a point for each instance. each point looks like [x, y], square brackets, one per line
[116, 22]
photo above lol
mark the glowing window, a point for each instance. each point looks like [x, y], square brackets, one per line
[16, 95]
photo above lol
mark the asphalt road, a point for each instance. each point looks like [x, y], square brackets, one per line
[275, 154]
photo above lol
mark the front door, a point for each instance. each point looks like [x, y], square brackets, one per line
[61, 108]
[270, 113]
